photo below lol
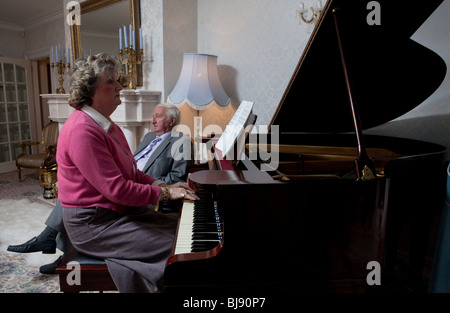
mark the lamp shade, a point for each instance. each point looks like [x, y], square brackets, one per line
[199, 84]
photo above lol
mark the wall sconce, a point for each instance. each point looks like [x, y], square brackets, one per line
[316, 11]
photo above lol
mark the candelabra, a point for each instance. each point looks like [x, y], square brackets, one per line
[130, 61]
[303, 13]
[60, 68]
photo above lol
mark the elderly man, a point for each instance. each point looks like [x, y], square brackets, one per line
[162, 154]
[171, 154]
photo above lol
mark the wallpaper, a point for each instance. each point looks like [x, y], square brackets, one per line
[258, 44]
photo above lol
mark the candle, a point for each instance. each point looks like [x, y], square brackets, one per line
[68, 55]
[125, 36]
[319, 4]
[52, 56]
[82, 53]
[120, 38]
[141, 42]
[57, 59]
[302, 6]
[59, 53]
[131, 36]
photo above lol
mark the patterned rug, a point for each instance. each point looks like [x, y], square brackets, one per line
[23, 212]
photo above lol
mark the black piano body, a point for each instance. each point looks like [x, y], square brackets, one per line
[311, 224]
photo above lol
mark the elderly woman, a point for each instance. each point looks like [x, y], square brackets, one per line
[103, 193]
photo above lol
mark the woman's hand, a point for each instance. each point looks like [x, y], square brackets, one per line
[182, 193]
[188, 192]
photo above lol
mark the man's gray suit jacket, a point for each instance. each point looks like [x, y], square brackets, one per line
[171, 159]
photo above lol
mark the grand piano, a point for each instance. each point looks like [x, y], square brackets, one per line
[337, 199]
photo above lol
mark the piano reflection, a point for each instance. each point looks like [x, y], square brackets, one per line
[338, 199]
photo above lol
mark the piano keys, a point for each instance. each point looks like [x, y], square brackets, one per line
[314, 222]
[200, 226]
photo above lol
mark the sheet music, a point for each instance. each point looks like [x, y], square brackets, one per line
[235, 127]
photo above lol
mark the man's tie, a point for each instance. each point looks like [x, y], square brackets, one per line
[147, 149]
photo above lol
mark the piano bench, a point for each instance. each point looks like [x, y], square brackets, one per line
[79, 272]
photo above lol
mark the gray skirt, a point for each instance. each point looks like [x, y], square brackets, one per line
[135, 245]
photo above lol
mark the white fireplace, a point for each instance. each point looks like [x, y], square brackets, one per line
[133, 116]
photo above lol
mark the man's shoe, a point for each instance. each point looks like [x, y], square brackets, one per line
[50, 268]
[34, 245]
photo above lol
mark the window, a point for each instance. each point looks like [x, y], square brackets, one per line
[15, 116]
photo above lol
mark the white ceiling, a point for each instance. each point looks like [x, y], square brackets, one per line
[21, 15]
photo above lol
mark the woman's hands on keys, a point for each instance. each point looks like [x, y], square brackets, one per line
[181, 190]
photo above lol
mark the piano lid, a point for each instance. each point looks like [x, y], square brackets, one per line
[390, 73]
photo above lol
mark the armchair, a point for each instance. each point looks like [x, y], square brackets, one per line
[41, 160]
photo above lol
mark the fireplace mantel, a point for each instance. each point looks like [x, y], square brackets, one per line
[134, 115]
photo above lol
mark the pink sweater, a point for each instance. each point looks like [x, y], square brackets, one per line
[97, 168]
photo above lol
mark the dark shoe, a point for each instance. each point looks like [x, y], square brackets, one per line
[34, 245]
[50, 268]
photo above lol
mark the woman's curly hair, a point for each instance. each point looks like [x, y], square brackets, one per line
[84, 78]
